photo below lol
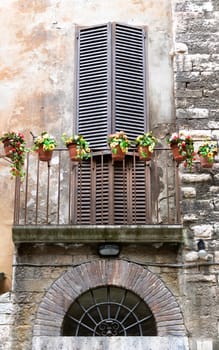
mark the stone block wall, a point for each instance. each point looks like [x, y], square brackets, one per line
[197, 65]
[196, 75]
[6, 321]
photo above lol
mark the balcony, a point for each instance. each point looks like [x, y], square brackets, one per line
[97, 197]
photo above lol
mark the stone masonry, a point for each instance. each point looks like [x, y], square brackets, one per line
[196, 69]
[6, 320]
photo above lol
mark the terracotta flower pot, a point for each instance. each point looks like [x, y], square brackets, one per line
[8, 148]
[144, 153]
[119, 155]
[44, 156]
[176, 154]
[72, 148]
[205, 163]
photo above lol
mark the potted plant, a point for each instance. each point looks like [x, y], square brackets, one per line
[182, 146]
[15, 150]
[44, 146]
[207, 151]
[78, 147]
[146, 144]
[119, 144]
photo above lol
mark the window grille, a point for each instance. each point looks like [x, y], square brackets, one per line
[109, 311]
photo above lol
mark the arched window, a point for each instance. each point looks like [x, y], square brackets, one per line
[109, 311]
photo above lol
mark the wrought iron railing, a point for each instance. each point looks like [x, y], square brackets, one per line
[98, 191]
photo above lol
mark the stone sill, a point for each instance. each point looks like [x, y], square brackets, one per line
[97, 234]
[113, 343]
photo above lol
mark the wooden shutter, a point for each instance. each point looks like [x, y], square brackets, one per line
[111, 82]
[111, 193]
[103, 189]
[94, 98]
[130, 197]
[129, 80]
[94, 190]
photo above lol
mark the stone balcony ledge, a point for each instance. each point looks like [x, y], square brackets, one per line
[98, 233]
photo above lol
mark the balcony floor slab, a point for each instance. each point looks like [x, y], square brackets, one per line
[98, 233]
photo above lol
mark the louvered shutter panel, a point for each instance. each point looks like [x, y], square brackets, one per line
[93, 192]
[111, 194]
[111, 82]
[129, 80]
[94, 99]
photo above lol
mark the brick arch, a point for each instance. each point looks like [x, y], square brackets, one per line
[119, 273]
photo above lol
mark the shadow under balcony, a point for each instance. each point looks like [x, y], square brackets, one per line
[98, 199]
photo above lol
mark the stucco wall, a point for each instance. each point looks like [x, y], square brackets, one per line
[38, 66]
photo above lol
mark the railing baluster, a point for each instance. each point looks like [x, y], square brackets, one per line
[17, 201]
[111, 193]
[59, 187]
[73, 189]
[177, 193]
[48, 192]
[148, 192]
[69, 190]
[37, 192]
[129, 192]
[134, 211]
[93, 191]
[167, 190]
[102, 186]
[26, 189]
[124, 191]
[80, 196]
